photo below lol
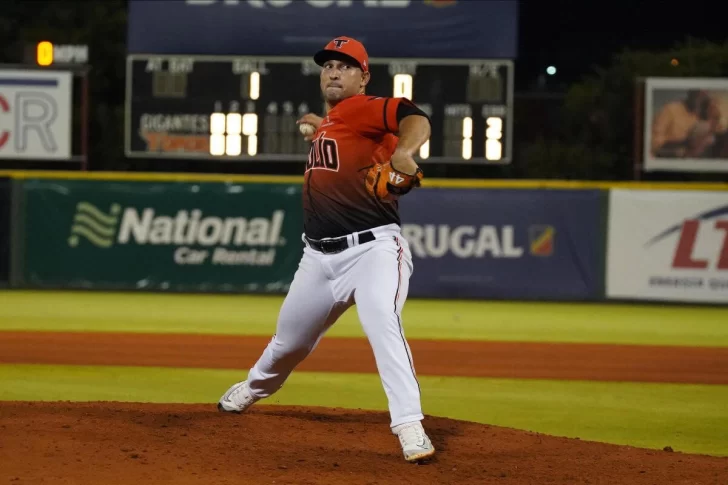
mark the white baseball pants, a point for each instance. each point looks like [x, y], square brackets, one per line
[375, 277]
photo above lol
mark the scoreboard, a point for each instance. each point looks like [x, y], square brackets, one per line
[245, 108]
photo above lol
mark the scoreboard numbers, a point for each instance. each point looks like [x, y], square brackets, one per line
[402, 86]
[217, 134]
[227, 131]
[467, 153]
[254, 85]
[493, 135]
[251, 105]
[250, 129]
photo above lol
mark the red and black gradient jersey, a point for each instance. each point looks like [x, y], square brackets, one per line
[357, 133]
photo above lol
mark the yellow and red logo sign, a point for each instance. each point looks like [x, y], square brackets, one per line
[541, 238]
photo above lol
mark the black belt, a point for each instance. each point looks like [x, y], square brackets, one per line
[336, 245]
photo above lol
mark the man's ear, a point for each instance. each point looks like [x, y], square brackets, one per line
[365, 79]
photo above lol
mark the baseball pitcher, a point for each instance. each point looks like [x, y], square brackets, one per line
[359, 164]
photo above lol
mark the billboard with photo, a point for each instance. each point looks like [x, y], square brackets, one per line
[685, 125]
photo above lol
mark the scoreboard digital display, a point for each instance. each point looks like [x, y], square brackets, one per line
[245, 108]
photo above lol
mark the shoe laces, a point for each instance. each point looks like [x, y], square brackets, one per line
[413, 435]
[247, 397]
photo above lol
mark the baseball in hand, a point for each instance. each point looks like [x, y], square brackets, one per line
[307, 129]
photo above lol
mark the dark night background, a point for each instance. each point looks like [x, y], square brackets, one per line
[577, 35]
[577, 124]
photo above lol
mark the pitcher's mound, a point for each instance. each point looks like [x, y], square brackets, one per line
[127, 443]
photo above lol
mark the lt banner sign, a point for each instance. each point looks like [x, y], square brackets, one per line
[670, 246]
[35, 114]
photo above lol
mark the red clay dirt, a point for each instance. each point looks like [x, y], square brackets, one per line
[133, 444]
[593, 362]
[121, 444]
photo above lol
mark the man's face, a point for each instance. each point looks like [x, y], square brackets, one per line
[341, 80]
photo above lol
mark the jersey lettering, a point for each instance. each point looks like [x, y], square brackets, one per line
[324, 154]
[355, 134]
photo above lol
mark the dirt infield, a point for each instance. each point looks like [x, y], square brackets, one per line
[121, 444]
[445, 358]
[132, 444]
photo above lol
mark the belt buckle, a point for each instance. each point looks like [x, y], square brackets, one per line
[329, 246]
[320, 245]
[332, 244]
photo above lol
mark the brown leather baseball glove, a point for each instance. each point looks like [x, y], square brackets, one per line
[386, 183]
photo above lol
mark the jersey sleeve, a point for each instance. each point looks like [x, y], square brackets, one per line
[376, 115]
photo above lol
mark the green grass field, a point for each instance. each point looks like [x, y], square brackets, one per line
[690, 418]
[423, 319]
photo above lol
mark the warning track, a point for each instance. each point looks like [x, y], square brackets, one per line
[594, 362]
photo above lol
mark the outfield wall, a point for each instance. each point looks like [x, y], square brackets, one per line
[5, 230]
[517, 240]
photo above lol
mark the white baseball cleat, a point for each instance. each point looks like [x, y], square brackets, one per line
[416, 445]
[237, 399]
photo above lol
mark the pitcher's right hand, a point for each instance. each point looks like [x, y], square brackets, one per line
[312, 119]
